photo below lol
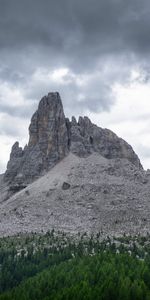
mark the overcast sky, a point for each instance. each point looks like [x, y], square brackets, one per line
[96, 53]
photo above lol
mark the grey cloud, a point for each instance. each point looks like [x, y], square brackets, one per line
[85, 36]
[11, 75]
[95, 96]
[102, 38]
[80, 29]
[144, 151]
[9, 130]
[23, 111]
[2, 167]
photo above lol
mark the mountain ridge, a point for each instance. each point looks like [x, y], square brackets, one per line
[52, 136]
[74, 177]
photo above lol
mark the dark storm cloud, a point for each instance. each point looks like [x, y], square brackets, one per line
[84, 36]
[99, 26]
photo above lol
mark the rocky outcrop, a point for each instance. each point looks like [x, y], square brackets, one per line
[48, 140]
[52, 137]
[86, 137]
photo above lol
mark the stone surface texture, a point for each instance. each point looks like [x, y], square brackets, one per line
[73, 176]
[47, 143]
[52, 137]
[90, 194]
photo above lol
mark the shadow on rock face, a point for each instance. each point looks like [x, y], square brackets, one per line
[65, 186]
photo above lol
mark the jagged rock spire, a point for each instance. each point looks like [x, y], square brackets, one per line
[47, 141]
[52, 136]
[48, 128]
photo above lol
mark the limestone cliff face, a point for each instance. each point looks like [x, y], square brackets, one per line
[52, 137]
[48, 130]
[48, 140]
[86, 137]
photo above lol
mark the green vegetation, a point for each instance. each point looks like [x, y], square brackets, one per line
[58, 266]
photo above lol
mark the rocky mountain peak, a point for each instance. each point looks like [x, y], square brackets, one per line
[48, 127]
[47, 142]
[52, 137]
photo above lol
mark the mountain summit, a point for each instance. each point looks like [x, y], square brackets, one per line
[73, 176]
[52, 137]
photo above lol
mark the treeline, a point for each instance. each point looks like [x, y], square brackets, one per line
[62, 268]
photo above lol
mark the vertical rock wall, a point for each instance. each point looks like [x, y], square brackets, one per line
[48, 140]
[52, 136]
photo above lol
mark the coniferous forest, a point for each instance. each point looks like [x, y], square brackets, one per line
[59, 266]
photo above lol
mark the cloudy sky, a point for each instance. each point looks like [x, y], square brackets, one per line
[96, 53]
